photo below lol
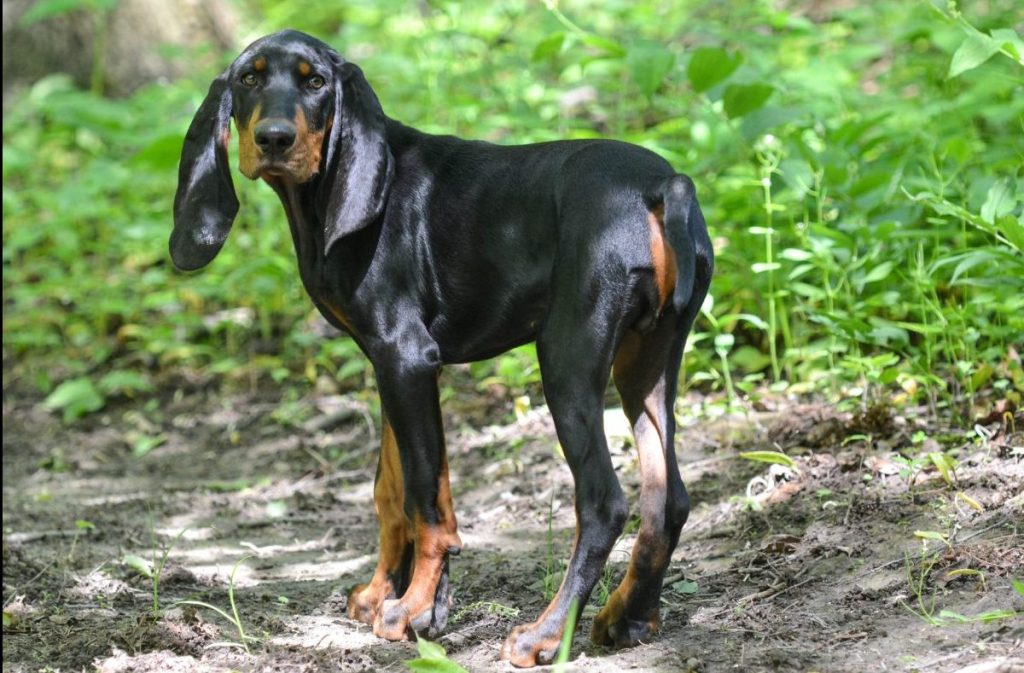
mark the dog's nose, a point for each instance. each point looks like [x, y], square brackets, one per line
[274, 136]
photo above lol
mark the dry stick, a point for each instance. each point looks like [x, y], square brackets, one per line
[773, 590]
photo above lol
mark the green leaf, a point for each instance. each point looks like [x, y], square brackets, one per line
[798, 174]
[76, 398]
[433, 659]
[1010, 42]
[945, 465]
[931, 535]
[124, 382]
[1018, 586]
[879, 272]
[711, 65]
[430, 650]
[649, 62]
[610, 47]
[965, 572]
[775, 457]
[140, 565]
[685, 587]
[351, 368]
[974, 51]
[741, 99]
[796, 254]
[547, 48]
[146, 443]
[953, 616]
[970, 260]
[1013, 230]
[999, 201]
[993, 615]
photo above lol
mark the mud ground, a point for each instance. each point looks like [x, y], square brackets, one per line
[863, 558]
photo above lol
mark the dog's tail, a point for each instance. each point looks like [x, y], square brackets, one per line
[682, 217]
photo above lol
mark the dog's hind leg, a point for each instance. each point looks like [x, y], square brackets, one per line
[645, 374]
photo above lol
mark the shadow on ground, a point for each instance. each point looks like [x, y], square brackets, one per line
[859, 559]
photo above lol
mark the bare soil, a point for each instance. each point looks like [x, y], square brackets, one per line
[836, 565]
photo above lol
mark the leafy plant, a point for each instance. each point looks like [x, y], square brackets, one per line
[82, 527]
[867, 205]
[234, 618]
[75, 398]
[153, 568]
[432, 659]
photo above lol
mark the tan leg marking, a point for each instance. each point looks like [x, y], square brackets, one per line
[663, 257]
[395, 532]
[649, 551]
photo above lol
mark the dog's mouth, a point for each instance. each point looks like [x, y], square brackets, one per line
[283, 168]
[275, 169]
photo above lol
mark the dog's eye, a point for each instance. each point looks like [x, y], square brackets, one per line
[315, 82]
[249, 79]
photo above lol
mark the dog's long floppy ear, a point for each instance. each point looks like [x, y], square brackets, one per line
[359, 165]
[205, 204]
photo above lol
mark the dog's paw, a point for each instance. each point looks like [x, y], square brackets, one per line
[397, 620]
[612, 628]
[531, 645]
[365, 600]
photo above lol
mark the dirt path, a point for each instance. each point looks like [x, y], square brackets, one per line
[814, 569]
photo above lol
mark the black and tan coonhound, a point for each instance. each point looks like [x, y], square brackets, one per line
[431, 250]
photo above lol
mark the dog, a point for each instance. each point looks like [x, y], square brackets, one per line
[430, 250]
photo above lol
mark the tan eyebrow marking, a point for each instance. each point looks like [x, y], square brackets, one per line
[260, 64]
[305, 69]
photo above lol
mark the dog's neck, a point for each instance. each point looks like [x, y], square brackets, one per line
[302, 221]
[307, 229]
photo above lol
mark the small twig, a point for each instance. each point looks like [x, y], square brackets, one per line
[672, 579]
[766, 593]
[981, 532]
[326, 421]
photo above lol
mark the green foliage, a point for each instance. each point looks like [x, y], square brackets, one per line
[75, 398]
[860, 168]
[685, 587]
[773, 457]
[153, 568]
[234, 618]
[565, 647]
[432, 659]
[924, 598]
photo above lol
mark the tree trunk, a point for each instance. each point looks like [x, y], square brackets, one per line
[114, 51]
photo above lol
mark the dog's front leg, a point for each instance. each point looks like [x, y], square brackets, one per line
[391, 578]
[409, 396]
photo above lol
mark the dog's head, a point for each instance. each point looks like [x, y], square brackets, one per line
[305, 117]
